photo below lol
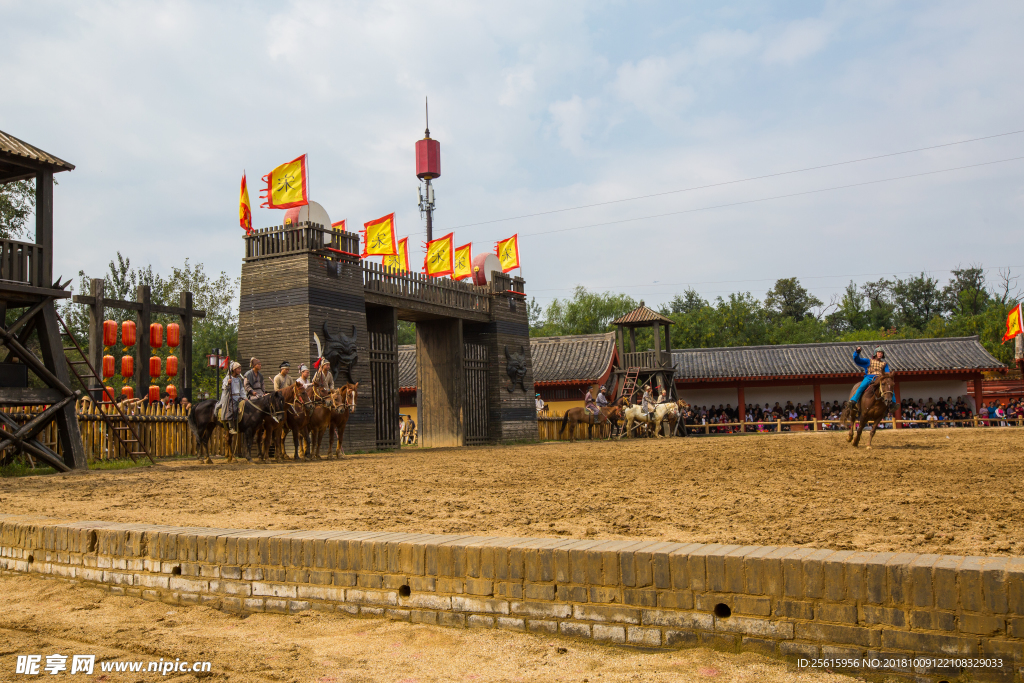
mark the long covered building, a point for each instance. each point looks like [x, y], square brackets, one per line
[565, 367]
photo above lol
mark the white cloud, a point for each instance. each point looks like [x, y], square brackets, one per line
[797, 40]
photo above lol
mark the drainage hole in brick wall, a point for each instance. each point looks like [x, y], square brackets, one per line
[404, 591]
[91, 547]
[31, 559]
[177, 572]
[722, 611]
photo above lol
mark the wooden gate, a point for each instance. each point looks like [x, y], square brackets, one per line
[476, 394]
[384, 379]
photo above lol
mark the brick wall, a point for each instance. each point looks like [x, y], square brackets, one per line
[787, 602]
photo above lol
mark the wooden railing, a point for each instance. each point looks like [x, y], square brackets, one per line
[549, 426]
[502, 283]
[646, 359]
[382, 279]
[23, 262]
[285, 240]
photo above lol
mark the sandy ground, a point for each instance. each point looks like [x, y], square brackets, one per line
[40, 616]
[951, 491]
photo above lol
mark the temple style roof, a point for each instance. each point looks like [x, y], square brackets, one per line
[641, 315]
[570, 358]
[949, 354]
[20, 160]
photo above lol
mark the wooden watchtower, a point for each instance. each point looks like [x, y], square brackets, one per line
[30, 334]
[637, 368]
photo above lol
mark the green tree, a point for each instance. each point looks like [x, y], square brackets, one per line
[881, 309]
[17, 202]
[687, 302]
[789, 299]
[966, 294]
[916, 301]
[586, 312]
[850, 313]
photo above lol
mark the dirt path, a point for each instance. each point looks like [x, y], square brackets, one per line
[44, 617]
[953, 491]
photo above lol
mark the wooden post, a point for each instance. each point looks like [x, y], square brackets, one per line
[899, 410]
[142, 349]
[657, 342]
[185, 302]
[632, 340]
[96, 335]
[743, 407]
[52, 347]
[817, 405]
[44, 224]
[668, 340]
[979, 394]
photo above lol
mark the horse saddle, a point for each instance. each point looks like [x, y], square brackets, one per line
[871, 388]
[220, 409]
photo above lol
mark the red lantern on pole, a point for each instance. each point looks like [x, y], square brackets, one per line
[154, 366]
[127, 392]
[108, 364]
[173, 334]
[127, 366]
[172, 391]
[154, 393]
[109, 332]
[156, 335]
[128, 333]
[172, 362]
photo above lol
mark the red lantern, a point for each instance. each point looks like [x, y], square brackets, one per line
[108, 394]
[128, 333]
[172, 391]
[154, 394]
[128, 392]
[173, 334]
[108, 364]
[172, 362]
[156, 335]
[109, 332]
[127, 366]
[154, 366]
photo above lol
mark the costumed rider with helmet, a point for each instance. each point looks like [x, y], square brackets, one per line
[232, 391]
[602, 397]
[873, 367]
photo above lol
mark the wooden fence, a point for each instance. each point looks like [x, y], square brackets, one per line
[548, 426]
[164, 431]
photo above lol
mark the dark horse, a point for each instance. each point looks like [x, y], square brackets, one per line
[574, 416]
[874, 407]
[202, 420]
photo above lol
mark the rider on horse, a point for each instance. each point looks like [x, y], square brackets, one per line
[873, 367]
[590, 405]
[232, 391]
[602, 397]
[647, 403]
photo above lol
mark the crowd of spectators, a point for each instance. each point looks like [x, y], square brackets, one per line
[944, 412]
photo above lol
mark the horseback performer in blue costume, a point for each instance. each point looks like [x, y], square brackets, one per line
[873, 367]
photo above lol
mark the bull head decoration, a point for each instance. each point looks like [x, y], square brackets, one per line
[340, 352]
[516, 368]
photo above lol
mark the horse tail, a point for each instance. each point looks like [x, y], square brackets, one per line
[191, 419]
[565, 421]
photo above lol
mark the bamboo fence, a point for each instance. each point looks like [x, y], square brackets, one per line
[163, 430]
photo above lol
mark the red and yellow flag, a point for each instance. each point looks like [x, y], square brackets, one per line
[1014, 324]
[399, 261]
[379, 237]
[463, 262]
[508, 253]
[439, 259]
[245, 208]
[286, 186]
[339, 226]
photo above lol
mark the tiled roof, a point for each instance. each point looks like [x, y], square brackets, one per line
[571, 358]
[19, 150]
[642, 315]
[948, 354]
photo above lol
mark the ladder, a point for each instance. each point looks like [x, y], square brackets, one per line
[629, 382]
[117, 425]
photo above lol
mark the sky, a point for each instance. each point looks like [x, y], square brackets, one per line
[540, 106]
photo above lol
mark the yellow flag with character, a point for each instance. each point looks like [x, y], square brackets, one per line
[287, 186]
[379, 237]
[244, 208]
[438, 260]
[1014, 324]
[463, 265]
[508, 253]
[399, 261]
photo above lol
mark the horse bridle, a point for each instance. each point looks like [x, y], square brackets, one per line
[275, 415]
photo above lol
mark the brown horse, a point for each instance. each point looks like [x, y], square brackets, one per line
[339, 418]
[874, 407]
[611, 414]
[326, 414]
[296, 419]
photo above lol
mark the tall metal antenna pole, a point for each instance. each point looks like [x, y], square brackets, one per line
[432, 170]
[429, 203]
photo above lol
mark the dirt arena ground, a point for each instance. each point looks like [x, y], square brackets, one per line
[951, 491]
[40, 616]
[947, 491]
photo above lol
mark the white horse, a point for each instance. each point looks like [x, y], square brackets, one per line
[661, 412]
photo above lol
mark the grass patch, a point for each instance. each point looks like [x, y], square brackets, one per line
[22, 469]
